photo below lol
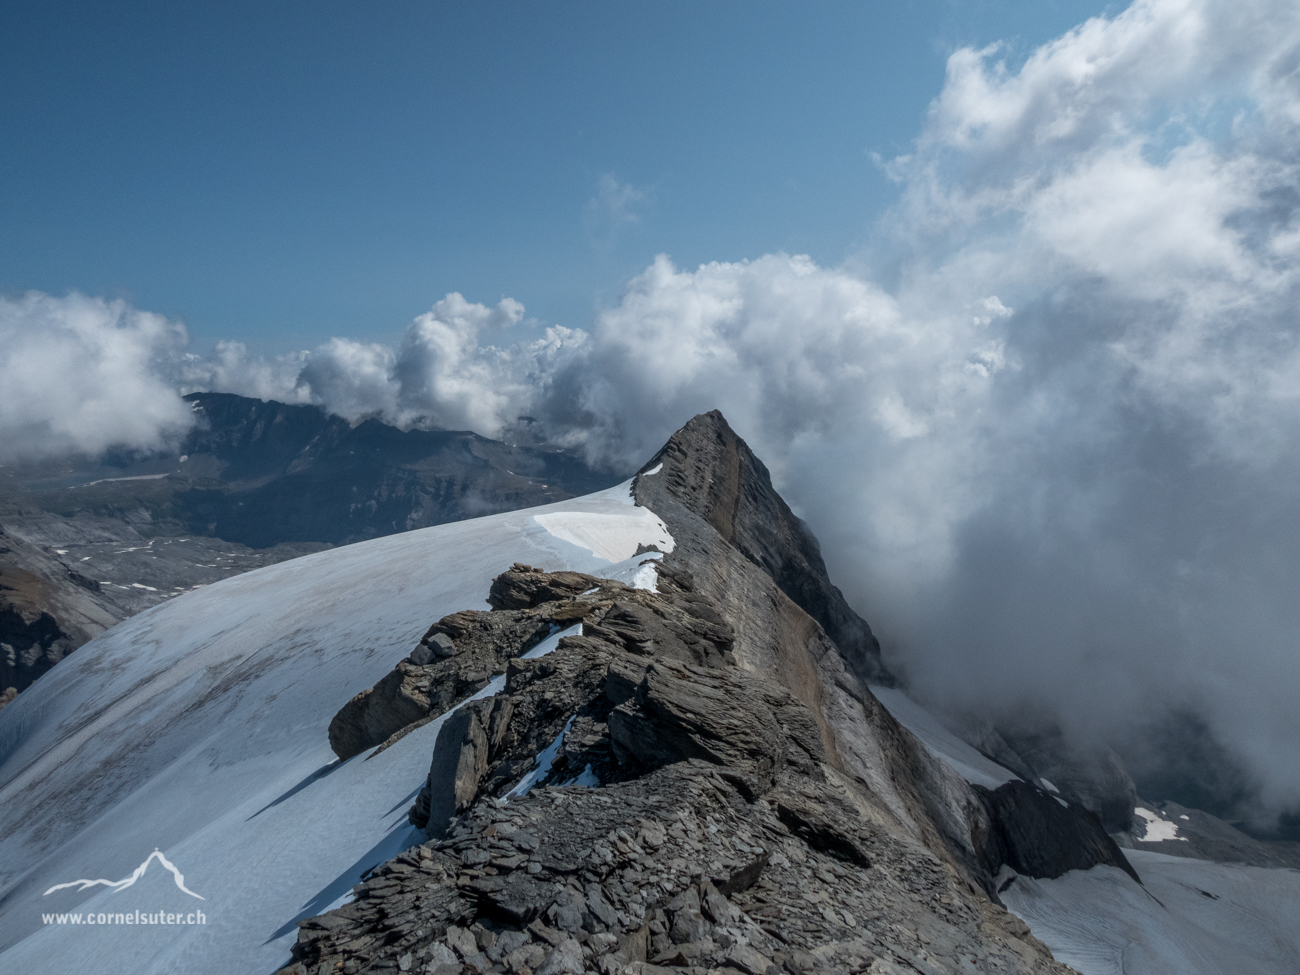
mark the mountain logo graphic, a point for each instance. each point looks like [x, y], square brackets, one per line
[121, 885]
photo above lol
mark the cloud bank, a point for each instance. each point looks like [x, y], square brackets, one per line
[1046, 432]
[82, 374]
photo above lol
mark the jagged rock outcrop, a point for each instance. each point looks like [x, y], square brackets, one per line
[460, 653]
[586, 691]
[716, 834]
[709, 473]
[713, 785]
[678, 712]
[1040, 835]
[455, 659]
[1087, 774]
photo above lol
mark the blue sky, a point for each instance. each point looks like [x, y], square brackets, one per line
[280, 173]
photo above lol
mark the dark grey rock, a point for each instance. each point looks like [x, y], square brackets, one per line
[711, 473]
[1039, 835]
[680, 711]
[748, 960]
[689, 926]
[566, 957]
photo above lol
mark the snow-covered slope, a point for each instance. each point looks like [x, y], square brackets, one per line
[1191, 917]
[199, 728]
[964, 759]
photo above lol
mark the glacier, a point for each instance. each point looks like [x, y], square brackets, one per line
[1189, 917]
[199, 728]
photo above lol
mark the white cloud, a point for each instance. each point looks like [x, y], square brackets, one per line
[82, 374]
[355, 379]
[612, 208]
[229, 368]
[1088, 500]
[445, 373]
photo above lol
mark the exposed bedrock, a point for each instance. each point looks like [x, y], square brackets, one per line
[725, 717]
[37, 628]
[710, 474]
[712, 831]
[700, 780]
[1089, 774]
[1040, 835]
[455, 659]
[460, 653]
[717, 832]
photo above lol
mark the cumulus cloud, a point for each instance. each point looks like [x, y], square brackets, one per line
[82, 374]
[1053, 460]
[230, 368]
[355, 379]
[442, 374]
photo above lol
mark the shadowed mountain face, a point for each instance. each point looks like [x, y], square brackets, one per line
[86, 542]
[262, 473]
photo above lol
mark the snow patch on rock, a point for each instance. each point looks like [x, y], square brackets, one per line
[613, 528]
[1157, 829]
[964, 759]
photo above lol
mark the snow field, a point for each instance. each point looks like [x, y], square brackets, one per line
[1191, 917]
[199, 728]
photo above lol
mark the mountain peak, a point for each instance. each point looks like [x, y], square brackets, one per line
[710, 473]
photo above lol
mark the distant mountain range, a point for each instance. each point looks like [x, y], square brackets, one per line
[263, 473]
[88, 541]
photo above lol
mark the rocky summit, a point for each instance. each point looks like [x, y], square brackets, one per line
[693, 777]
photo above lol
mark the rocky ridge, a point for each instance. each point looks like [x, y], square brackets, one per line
[689, 820]
[719, 788]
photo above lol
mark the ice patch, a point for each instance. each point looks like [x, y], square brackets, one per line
[542, 769]
[588, 779]
[141, 585]
[644, 575]
[1191, 917]
[1158, 830]
[613, 532]
[965, 760]
[1048, 786]
[654, 470]
[552, 641]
